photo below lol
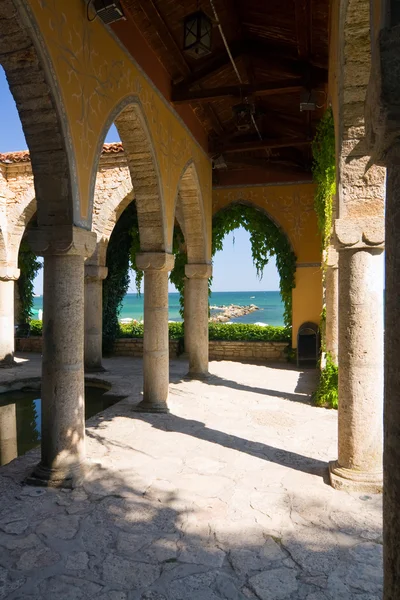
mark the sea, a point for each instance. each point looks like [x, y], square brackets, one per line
[269, 303]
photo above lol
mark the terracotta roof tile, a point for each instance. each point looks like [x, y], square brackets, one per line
[23, 155]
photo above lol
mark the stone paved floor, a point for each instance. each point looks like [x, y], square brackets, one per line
[224, 498]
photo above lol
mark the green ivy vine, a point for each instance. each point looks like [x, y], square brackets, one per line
[29, 266]
[324, 174]
[177, 275]
[121, 253]
[266, 239]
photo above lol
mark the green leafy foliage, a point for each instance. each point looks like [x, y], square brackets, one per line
[217, 331]
[177, 275]
[36, 328]
[327, 391]
[324, 173]
[244, 332]
[120, 250]
[136, 330]
[266, 239]
[29, 267]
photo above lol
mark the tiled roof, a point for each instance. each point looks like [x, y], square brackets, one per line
[23, 155]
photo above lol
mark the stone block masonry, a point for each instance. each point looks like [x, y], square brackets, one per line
[247, 350]
[218, 349]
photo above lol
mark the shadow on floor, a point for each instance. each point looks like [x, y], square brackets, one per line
[303, 389]
[163, 544]
[173, 423]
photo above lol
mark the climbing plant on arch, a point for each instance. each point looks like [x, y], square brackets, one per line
[267, 239]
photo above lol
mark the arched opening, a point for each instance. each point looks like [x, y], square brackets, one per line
[38, 109]
[267, 240]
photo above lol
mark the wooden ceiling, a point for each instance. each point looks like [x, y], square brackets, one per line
[280, 48]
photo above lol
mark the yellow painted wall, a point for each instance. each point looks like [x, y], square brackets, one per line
[292, 207]
[95, 75]
[306, 298]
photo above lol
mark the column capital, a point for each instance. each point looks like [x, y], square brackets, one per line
[198, 271]
[364, 233]
[8, 273]
[62, 241]
[332, 258]
[95, 272]
[155, 261]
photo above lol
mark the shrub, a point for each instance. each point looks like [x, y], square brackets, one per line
[135, 330]
[36, 327]
[217, 331]
[244, 332]
[327, 391]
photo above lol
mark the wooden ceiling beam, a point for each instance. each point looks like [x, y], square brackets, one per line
[303, 28]
[261, 145]
[237, 91]
[211, 67]
[157, 20]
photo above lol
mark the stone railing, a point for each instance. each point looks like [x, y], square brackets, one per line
[219, 350]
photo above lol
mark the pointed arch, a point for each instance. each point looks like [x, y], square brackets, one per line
[34, 90]
[189, 212]
[130, 120]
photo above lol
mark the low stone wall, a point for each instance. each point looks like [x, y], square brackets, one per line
[30, 344]
[219, 350]
[259, 351]
[134, 347]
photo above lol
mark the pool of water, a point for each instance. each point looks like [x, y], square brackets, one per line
[20, 418]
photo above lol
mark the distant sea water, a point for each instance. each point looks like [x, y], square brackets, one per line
[269, 303]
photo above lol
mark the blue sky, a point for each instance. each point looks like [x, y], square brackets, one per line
[233, 268]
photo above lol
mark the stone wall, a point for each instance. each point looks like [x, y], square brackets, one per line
[260, 351]
[219, 350]
[134, 347]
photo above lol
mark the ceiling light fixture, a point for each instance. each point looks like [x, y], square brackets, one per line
[197, 35]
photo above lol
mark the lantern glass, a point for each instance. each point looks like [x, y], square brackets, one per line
[197, 35]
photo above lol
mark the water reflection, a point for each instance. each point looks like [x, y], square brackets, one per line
[20, 418]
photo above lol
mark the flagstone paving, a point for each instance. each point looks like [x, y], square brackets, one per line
[226, 498]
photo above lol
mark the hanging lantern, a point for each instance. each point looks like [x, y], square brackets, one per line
[197, 35]
[243, 114]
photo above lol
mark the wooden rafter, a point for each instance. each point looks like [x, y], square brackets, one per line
[270, 89]
[153, 14]
[262, 144]
[303, 28]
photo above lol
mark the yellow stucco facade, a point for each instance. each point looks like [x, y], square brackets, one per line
[95, 78]
[292, 208]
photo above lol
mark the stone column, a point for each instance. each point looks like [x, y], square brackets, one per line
[196, 318]
[360, 417]
[332, 304]
[62, 390]
[94, 276]
[8, 434]
[391, 516]
[155, 341]
[8, 275]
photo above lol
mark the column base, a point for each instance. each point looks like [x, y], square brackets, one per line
[197, 376]
[350, 480]
[150, 407]
[95, 369]
[68, 477]
[8, 363]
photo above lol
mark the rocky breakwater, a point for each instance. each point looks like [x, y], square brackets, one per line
[226, 313]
